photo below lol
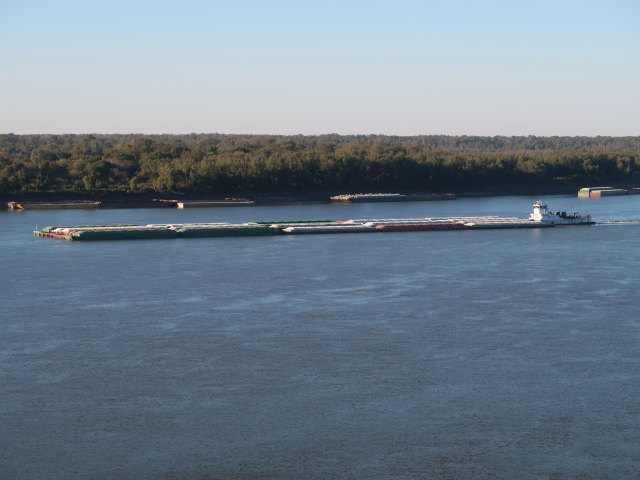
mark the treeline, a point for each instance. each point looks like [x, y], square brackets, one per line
[228, 164]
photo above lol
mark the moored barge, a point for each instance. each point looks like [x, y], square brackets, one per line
[390, 197]
[52, 205]
[368, 197]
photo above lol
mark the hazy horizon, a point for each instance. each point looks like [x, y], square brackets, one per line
[403, 68]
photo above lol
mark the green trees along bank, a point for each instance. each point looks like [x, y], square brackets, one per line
[227, 164]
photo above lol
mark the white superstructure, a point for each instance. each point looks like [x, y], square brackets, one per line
[542, 214]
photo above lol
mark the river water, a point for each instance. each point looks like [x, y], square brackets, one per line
[496, 354]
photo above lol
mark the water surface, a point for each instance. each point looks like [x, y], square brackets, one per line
[464, 355]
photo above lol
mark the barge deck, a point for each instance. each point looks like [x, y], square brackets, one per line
[200, 230]
[540, 218]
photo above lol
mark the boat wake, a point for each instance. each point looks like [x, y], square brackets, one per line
[619, 222]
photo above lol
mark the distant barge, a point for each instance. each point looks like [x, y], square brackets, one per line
[590, 192]
[227, 202]
[540, 218]
[389, 197]
[51, 205]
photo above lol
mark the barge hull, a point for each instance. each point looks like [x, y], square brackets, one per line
[51, 205]
[540, 218]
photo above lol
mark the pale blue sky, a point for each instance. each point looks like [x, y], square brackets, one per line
[286, 67]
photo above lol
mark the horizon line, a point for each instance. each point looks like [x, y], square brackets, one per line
[317, 134]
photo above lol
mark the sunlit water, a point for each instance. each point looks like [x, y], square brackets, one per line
[511, 354]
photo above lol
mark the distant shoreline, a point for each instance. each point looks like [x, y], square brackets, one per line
[131, 170]
[122, 200]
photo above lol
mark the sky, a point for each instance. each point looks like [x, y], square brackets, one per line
[403, 67]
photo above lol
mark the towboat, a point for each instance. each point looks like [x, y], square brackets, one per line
[542, 214]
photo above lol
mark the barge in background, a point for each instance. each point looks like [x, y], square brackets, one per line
[390, 197]
[540, 218]
[590, 192]
[227, 202]
[52, 205]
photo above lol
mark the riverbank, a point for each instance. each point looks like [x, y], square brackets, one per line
[116, 200]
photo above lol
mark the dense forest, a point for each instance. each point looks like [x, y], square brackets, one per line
[264, 164]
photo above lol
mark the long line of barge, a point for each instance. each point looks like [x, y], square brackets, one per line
[540, 218]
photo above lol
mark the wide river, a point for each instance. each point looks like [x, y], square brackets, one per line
[496, 354]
